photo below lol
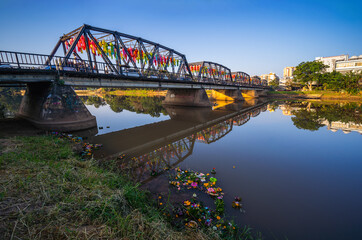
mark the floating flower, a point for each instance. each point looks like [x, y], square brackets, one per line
[211, 190]
[187, 203]
[213, 180]
[236, 204]
[194, 184]
[218, 217]
[238, 199]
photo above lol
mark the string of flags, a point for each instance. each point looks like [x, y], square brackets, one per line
[124, 53]
[195, 69]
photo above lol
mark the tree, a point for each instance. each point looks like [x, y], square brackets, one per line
[352, 82]
[309, 73]
[274, 83]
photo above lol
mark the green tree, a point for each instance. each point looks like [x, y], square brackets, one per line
[352, 82]
[274, 83]
[309, 73]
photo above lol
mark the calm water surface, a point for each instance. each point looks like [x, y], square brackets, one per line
[298, 174]
[296, 165]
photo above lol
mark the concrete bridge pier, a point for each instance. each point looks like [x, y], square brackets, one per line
[253, 93]
[226, 95]
[54, 107]
[187, 97]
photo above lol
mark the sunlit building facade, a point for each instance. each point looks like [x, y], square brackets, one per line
[342, 63]
[269, 77]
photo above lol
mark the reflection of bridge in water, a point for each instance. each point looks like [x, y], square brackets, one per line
[153, 148]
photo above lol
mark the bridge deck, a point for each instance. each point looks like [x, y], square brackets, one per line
[86, 79]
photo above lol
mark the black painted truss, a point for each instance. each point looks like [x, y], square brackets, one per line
[98, 50]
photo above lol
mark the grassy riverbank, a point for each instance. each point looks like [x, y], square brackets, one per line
[47, 192]
[324, 95]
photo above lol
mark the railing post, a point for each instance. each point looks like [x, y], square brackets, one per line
[17, 60]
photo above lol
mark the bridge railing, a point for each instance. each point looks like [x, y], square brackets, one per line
[18, 60]
[40, 61]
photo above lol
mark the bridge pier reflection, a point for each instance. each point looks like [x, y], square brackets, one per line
[187, 97]
[55, 107]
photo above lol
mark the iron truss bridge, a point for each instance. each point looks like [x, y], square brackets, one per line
[101, 52]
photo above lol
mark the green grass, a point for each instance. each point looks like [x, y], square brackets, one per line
[325, 93]
[46, 192]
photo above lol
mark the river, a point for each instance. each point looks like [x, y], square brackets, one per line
[297, 165]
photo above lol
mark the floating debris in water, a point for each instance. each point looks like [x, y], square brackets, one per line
[190, 179]
[193, 212]
[237, 202]
[87, 147]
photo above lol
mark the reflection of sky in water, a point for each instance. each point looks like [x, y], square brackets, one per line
[306, 185]
[118, 121]
[296, 183]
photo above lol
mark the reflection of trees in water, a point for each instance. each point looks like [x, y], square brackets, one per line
[305, 119]
[147, 105]
[311, 116]
[10, 101]
[94, 100]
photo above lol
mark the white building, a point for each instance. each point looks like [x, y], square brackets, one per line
[342, 63]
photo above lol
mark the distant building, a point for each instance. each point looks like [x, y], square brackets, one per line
[288, 72]
[287, 75]
[269, 77]
[353, 64]
[331, 61]
[342, 63]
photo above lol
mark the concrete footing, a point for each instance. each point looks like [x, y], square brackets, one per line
[187, 97]
[254, 93]
[55, 107]
[226, 95]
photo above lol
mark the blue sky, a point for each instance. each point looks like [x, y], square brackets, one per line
[255, 36]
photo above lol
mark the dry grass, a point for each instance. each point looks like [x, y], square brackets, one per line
[48, 193]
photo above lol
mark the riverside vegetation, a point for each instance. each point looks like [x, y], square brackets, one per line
[311, 74]
[49, 192]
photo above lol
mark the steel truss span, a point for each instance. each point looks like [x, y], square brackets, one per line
[99, 51]
[211, 72]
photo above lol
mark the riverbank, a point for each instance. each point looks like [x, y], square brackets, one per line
[48, 191]
[322, 95]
